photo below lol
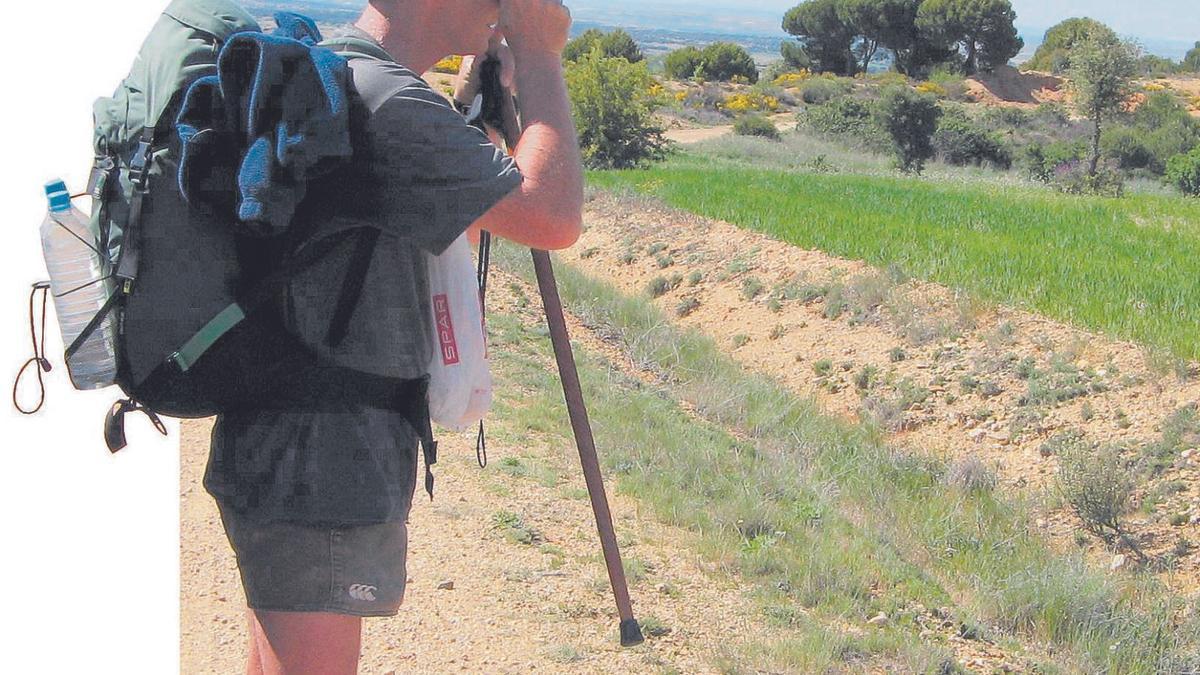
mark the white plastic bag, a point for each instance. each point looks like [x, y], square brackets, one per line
[460, 382]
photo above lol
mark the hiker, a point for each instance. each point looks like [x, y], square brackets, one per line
[315, 501]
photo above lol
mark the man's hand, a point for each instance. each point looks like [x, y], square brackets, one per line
[535, 26]
[470, 76]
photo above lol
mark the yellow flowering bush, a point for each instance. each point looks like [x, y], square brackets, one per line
[450, 64]
[749, 102]
[1154, 86]
[932, 88]
[792, 79]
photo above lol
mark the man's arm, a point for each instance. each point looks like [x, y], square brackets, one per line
[546, 212]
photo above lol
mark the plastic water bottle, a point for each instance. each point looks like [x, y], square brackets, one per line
[81, 284]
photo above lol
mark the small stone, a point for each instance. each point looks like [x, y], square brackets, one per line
[1188, 453]
[1195, 518]
[926, 634]
[977, 435]
[1041, 523]
[446, 586]
[1118, 561]
[878, 620]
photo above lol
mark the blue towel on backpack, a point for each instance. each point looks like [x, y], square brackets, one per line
[274, 116]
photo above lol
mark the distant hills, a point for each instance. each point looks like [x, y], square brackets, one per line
[661, 25]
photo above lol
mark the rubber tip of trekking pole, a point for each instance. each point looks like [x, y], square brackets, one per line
[631, 633]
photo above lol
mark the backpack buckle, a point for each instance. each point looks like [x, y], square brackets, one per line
[137, 165]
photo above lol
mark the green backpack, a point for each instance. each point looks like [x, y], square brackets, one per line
[199, 328]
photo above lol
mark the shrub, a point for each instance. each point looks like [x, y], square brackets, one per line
[750, 102]
[960, 142]
[821, 90]
[840, 116]
[971, 474]
[613, 111]
[756, 125]
[724, 61]
[684, 63]
[791, 79]
[931, 88]
[1183, 171]
[1125, 146]
[1073, 178]
[617, 44]
[1098, 487]
[951, 83]
[910, 120]
[720, 62]
[1042, 161]
[450, 64]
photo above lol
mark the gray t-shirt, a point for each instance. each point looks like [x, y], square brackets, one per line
[422, 175]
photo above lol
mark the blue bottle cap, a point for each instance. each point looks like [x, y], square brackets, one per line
[60, 201]
[56, 185]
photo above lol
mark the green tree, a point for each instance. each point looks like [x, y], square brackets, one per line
[826, 37]
[723, 61]
[615, 44]
[683, 63]
[910, 120]
[1184, 172]
[1101, 74]
[984, 30]
[614, 112]
[1191, 62]
[794, 56]
[1053, 55]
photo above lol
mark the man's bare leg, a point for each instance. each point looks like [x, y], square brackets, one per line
[303, 643]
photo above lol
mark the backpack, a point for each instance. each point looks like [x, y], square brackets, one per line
[199, 331]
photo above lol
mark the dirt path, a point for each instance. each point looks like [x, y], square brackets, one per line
[939, 373]
[689, 135]
[514, 608]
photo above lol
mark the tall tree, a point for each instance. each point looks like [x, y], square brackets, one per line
[617, 44]
[1054, 54]
[869, 20]
[984, 30]
[1191, 62]
[1101, 76]
[827, 39]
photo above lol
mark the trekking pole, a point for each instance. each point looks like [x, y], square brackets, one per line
[500, 109]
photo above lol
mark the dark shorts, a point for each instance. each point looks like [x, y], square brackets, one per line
[290, 567]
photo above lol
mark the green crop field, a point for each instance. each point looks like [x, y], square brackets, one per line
[1127, 267]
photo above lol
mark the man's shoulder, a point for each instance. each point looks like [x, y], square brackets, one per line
[378, 81]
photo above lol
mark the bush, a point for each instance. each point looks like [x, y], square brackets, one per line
[615, 45]
[1183, 171]
[823, 90]
[449, 65]
[1040, 161]
[684, 63]
[840, 116]
[719, 62]
[750, 102]
[910, 120]
[613, 111]
[953, 84]
[1124, 146]
[1072, 178]
[1097, 485]
[756, 125]
[960, 142]
[725, 61]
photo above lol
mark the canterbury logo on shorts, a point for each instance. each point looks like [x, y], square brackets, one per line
[363, 592]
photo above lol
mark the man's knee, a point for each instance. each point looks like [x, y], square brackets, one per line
[299, 643]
